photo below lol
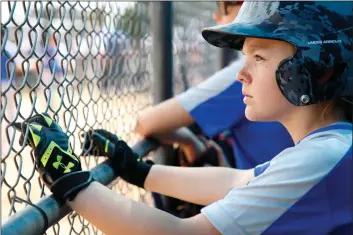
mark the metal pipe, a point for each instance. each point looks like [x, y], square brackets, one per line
[162, 36]
[162, 28]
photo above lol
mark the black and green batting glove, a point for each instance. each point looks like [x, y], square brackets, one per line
[56, 163]
[125, 163]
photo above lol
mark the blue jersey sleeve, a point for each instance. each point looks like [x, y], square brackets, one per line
[217, 103]
[291, 194]
[3, 66]
[11, 66]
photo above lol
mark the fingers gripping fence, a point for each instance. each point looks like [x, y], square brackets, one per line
[88, 66]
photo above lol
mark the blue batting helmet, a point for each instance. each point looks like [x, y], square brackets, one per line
[322, 33]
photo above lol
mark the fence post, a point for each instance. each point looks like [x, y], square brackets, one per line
[162, 31]
[226, 56]
[162, 55]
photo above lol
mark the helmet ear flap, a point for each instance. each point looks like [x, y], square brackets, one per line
[304, 82]
[294, 81]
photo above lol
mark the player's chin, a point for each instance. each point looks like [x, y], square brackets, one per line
[254, 115]
[250, 113]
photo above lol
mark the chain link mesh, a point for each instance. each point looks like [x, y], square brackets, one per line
[70, 60]
[194, 59]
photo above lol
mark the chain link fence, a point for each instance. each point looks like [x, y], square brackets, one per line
[88, 65]
[194, 59]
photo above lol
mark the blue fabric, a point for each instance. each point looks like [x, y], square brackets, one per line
[256, 143]
[258, 170]
[52, 63]
[332, 213]
[339, 125]
[339, 196]
[4, 59]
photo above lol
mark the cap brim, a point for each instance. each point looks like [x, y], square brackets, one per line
[224, 36]
[233, 35]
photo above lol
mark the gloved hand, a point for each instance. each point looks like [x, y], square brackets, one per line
[126, 164]
[56, 163]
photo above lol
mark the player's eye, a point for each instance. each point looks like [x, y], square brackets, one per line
[258, 58]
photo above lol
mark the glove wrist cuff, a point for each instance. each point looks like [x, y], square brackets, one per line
[68, 186]
[138, 175]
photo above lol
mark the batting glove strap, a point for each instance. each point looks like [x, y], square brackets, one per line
[69, 185]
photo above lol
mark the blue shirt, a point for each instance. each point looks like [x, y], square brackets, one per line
[55, 61]
[3, 67]
[5, 55]
[306, 189]
[217, 105]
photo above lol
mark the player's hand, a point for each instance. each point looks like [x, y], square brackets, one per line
[56, 163]
[54, 156]
[90, 147]
[125, 162]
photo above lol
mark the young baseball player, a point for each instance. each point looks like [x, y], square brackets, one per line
[297, 63]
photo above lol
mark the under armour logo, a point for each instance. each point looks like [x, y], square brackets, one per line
[59, 163]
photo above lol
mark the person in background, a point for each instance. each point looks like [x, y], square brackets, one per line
[215, 105]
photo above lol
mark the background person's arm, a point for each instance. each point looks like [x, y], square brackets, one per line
[163, 118]
[166, 122]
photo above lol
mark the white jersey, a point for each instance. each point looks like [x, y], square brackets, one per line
[306, 189]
